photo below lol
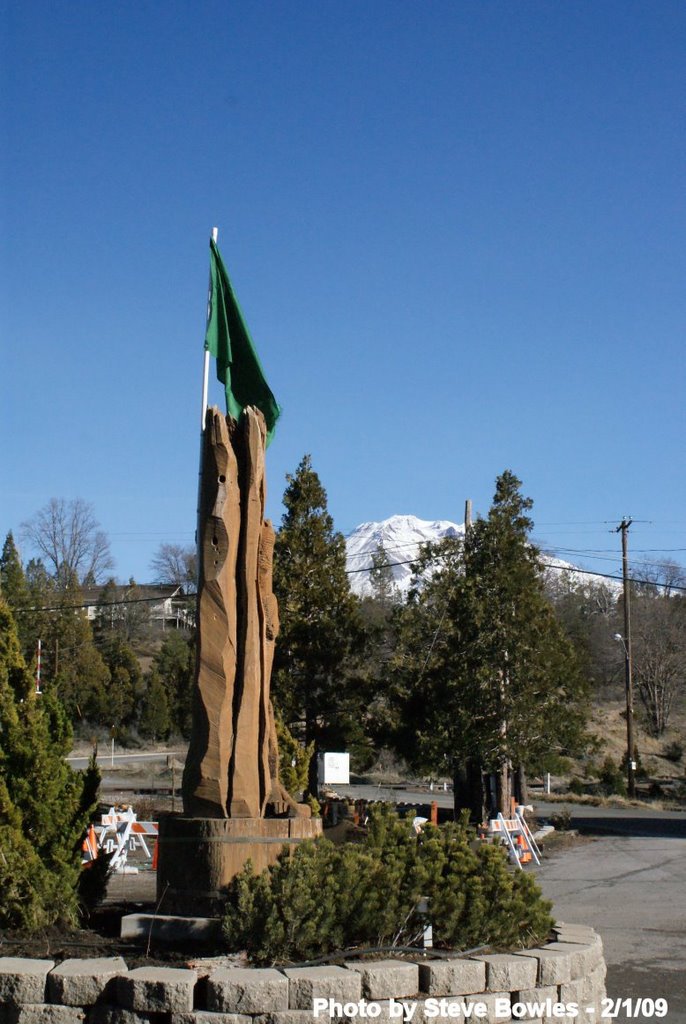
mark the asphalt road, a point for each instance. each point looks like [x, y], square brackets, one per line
[115, 760]
[632, 890]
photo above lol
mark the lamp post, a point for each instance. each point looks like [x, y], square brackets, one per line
[630, 763]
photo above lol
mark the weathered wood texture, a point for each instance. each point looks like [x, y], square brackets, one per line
[199, 856]
[232, 765]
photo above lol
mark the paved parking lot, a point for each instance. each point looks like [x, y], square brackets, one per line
[633, 891]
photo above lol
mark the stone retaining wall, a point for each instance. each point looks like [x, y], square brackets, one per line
[564, 980]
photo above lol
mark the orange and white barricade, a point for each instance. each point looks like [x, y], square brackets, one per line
[121, 833]
[516, 835]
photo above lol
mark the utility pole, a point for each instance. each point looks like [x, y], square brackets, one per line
[630, 763]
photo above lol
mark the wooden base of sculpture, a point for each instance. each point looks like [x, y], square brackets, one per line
[199, 856]
[235, 806]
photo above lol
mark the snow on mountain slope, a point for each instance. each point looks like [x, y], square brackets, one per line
[402, 536]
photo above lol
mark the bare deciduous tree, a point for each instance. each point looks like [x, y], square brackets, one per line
[661, 576]
[175, 563]
[659, 631]
[69, 539]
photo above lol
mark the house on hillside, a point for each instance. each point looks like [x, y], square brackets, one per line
[167, 605]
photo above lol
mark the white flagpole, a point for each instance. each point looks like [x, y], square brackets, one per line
[203, 414]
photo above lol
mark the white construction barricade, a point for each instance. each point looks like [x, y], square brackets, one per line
[516, 835]
[120, 833]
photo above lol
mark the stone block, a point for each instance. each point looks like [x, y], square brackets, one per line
[459, 1009]
[23, 980]
[572, 991]
[305, 984]
[580, 932]
[170, 928]
[452, 977]
[386, 979]
[103, 1013]
[583, 958]
[206, 1017]
[246, 990]
[507, 972]
[42, 1013]
[554, 966]
[290, 1017]
[493, 1002]
[536, 1002]
[451, 1009]
[596, 981]
[578, 935]
[157, 989]
[84, 982]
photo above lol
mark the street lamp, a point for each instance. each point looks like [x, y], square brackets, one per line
[630, 763]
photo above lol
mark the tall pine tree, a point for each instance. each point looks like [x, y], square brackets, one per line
[15, 590]
[44, 805]
[314, 683]
[486, 675]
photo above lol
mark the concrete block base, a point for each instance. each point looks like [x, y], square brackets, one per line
[171, 928]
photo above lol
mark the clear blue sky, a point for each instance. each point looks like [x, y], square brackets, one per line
[456, 230]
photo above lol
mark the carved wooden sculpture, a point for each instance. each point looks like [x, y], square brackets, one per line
[232, 765]
[235, 807]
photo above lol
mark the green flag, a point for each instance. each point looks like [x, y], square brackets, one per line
[228, 340]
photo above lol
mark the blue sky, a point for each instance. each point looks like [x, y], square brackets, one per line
[456, 230]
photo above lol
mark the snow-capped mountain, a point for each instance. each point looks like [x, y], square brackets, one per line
[402, 536]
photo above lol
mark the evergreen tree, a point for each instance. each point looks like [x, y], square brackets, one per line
[15, 590]
[155, 720]
[44, 805]
[82, 678]
[384, 590]
[175, 662]
[36, 623]
[488, 675]
[314, 681]
[125, 683]
[13, 586]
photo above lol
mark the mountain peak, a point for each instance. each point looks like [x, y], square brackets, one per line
[401, 537]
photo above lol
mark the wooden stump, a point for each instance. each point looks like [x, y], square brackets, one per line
[198, 857]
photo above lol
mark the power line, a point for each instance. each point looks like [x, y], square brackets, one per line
[349, 572]
[103, 607]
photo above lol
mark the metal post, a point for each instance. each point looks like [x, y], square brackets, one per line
[630, 770]
[203, 414]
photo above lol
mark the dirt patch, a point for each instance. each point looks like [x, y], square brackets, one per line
[558, 842]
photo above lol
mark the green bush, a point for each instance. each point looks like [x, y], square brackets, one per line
[673, 751]
[612, 780]
[576, 787]
[324, 897]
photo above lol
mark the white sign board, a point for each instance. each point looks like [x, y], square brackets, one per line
[334, 769]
